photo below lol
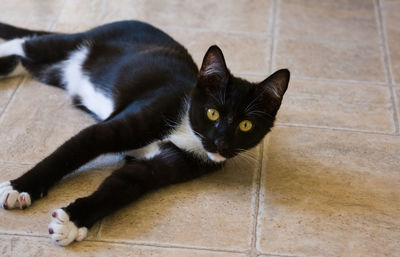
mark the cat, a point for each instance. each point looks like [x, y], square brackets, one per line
[152, 103]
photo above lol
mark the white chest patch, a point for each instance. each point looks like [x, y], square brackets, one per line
[183, 137]
[186, 139]
[78, 84]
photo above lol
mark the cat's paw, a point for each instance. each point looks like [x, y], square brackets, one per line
[10, 198]
[63, 231]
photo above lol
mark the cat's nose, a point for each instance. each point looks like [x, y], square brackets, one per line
[220, 144]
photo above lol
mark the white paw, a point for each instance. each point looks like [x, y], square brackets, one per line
[10, 198]
[63, 231]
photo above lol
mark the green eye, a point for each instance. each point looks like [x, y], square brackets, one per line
[245, 125]
[212, 114]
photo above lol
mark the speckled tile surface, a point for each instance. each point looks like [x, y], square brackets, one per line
[325, 182]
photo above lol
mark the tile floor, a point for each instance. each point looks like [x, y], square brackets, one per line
[325, 182]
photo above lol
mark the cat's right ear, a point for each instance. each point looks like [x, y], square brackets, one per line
[213, 72]
[273, 88]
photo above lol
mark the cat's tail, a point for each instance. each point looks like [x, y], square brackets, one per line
[9, 32]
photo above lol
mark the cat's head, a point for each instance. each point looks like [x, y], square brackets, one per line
[230, 114]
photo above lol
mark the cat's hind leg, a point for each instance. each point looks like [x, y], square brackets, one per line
[11, 53]
[12, 50]
[10, 66]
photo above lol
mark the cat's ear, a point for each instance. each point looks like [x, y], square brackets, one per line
[274, 87]
[213, 71]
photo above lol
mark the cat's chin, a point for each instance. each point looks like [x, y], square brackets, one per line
[216, 157]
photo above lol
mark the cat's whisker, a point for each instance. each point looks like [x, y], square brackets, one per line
[198, 134]
[245, 158]
[248, 154]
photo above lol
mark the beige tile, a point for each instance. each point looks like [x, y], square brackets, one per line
[243, 54]
[391, 16]
[30, 10]
[43, 248]
[7, 89]
[226, 16]
[330, 60]
[330, 193]
[39, 120]
[338, 105]
[352, 20]
[99, 12]
[213, 211]
[72, 187]
[5, 246]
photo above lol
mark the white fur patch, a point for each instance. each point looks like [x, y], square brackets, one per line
[10, 198]
[63, 231]
[147, 152]
[186, 139]
[13, 47]
[78, 84]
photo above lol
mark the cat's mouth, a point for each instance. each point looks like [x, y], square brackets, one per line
[216, 157]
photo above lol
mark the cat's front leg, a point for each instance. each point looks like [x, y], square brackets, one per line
[10, 198]
[63, 231]
[85, 146]
[121, 188]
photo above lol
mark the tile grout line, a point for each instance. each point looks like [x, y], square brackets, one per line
[260, 192]
[15, 163]
[383, 55]
[326, 40]
[278, 124]
[386, 60]
[169, 246]
[274, 34]
[256, 201]
[383, 38]
[396, 109]
[324, 80]
[165, 246]
[53, 24]
[257, 180]
[396, 115]
[233, 33]
[261, 197]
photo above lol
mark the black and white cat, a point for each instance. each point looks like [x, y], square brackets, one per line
[150, 100]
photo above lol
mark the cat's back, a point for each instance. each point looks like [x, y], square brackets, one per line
[137, 47]
[132, 60]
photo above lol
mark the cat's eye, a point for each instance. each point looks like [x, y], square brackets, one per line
[212, 114]
[245, 125]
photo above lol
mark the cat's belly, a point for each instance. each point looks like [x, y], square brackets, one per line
[146, 152]
[78, 84]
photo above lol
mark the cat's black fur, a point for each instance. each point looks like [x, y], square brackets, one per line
[153, 81]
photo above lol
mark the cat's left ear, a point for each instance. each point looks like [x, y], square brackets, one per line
[213, 72]
[274, 87]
